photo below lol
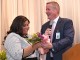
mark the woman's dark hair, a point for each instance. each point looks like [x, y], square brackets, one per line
[17, 25]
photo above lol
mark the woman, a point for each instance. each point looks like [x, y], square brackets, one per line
[17, 48]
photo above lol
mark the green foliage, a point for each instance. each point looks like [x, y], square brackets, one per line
[34, 39]
[3, 55]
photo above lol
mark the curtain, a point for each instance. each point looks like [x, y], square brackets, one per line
[34, 10]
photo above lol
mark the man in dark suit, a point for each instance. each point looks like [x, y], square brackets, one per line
[62, 33]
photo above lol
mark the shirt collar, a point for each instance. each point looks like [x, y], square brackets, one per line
[54, 21]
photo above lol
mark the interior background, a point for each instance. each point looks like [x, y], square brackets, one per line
[34, 10]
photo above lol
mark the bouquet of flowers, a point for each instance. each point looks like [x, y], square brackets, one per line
[36, 37]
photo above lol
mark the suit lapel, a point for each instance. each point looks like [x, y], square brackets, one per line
[58, 24]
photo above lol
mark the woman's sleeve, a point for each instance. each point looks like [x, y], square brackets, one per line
[13, 47]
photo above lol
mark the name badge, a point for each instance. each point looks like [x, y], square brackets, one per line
[58, 35]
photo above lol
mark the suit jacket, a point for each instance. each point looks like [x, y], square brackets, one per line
[65, 27]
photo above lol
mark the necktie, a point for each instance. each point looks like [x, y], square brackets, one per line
[52, 30]
[51, 37]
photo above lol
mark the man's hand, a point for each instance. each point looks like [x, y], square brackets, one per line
[48, 32]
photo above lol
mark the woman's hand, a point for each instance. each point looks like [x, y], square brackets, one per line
[37, 45]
